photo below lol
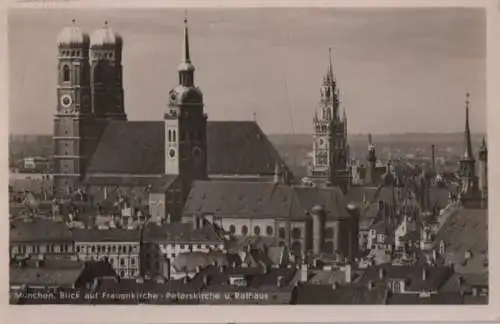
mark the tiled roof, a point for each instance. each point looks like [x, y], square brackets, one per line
[39, 230]
[84, 235]
[309, 294]
[44, 276]
[466, 281]
[190, 261]
[466, 230]
[435, 277]
[181, 233]
[238, 147]
[261, 199]
[447, 298]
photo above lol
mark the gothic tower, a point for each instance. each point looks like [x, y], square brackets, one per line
[106, 76]
[185, 123]
[483, 170]
[330, 154]
[467, 171]
[372, 163]
[73, 120]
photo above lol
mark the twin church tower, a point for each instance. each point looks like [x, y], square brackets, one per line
[90, 97]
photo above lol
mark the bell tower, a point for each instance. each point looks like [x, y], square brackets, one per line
[330, 149]
[73, 137]
[185, 123]
[106, 74]
[467, 170]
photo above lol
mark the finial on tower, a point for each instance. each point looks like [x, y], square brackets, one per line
[185, 55]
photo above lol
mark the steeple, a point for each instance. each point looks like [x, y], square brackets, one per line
[186, 68]
[468, 146]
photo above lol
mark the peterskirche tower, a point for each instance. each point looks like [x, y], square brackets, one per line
[74, 137]
[469, 190]
[186, 124]
[330, 150]
[483, 172]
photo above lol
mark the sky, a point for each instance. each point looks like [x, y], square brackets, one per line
[399, 70]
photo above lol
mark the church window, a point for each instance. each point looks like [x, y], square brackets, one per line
[296, 233]
[169, 135]
[269, 230]
[282, 232]
[244, 230]
[173, 136]
[232, 229]
[66, 73]
[256, 230]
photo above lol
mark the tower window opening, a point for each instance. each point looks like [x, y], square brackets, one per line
[169, 135]
[65, 73]
[173, 136]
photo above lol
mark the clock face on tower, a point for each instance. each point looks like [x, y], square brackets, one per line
[171, 153]
[66, 101]
[173, 96]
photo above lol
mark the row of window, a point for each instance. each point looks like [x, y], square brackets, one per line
[102, 55]
[122, 262]
[106, 249]
[49, 248]
[296, 232]
[172, 138]
[71, 53]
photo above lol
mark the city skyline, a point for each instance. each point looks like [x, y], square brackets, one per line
[285, 61]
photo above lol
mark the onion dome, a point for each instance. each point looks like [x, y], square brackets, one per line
[105, 37]
[185, 95]
[73, 36]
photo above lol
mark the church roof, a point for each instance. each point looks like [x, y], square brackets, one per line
[137, 147]
[262, 200]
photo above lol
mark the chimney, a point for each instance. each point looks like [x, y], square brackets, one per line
[198, 269]
[221, 268]
[303, 273]
[348, 273]
[205, 281]
[381, 273]
[371, 285]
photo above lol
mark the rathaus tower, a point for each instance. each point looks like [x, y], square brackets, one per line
[330, 149]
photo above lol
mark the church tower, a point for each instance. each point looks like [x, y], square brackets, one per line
[73, 136]
[186, 123]
[106, 76]
[372, 163]
[467, 171]
[483, 170]
[330, 150]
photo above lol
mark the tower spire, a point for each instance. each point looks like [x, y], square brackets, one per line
[186, 68]
[185, 48]
[468, 146]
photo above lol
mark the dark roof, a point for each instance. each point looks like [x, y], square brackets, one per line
[181, 233]
[130, 181]
[262, 199]
[190, 261]
[309, 294]
[435, 276]
[49, 272]
[107, 235]
[466, 281]
[466, 230]
[446, 298]
[39, 230]
[235, 147]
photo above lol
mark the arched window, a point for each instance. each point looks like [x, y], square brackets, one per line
[244, 230]
[296, 233]
[232, 229]
[269, 230]
[329, 233]
[174, 136]
[282, 232]
[329, 247]
[256, 230]
[169, 135]
[66, 73]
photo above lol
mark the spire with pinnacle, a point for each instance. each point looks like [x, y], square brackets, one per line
[186, 68]
[468, 146]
